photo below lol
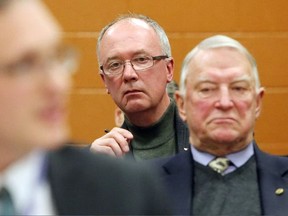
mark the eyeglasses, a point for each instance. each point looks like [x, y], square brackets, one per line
[33, 63]
[116, 67]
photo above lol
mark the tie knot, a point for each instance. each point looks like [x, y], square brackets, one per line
[219, 164]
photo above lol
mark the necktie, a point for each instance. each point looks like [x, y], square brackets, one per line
[6, 204]
[219, 164]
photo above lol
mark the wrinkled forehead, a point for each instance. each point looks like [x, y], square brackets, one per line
[224, 54]
[221, 57]
[220, 61]
[127, 38]
[130, 28]
[25, 25]
[129, 23]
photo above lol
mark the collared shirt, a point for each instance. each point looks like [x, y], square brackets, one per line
[26, 182]
[237, 158]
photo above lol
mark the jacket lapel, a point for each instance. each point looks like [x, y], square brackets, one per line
[182, 133]
[178, 177]
[273, 183]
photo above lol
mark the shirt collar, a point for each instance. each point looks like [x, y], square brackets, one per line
[26, 171]
[237, 158]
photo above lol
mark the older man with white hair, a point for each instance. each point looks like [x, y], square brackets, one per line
[225, 173]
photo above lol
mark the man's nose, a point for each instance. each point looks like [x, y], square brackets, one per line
[225, 99]
[129, 71]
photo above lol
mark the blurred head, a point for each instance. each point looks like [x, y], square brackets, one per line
[135, 62]
[34, 78]
[220, 95]
[171, 88]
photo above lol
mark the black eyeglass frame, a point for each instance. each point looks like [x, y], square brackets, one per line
[154, 58]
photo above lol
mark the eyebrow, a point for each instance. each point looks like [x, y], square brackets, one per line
[142, 51]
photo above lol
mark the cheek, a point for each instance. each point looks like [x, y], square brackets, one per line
[197, 111]
[153, 79]
[14, 111]
[13, 99]
[246, 109]
[113, 86]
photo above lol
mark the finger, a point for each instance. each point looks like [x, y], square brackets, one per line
[122, 136]
[102, 150]
[107, 145]
[125, 133]
[122, 142]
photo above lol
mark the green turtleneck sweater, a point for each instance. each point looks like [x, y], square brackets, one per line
[157, 140]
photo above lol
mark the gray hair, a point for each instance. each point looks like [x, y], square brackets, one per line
[217, 41]
[164, 41]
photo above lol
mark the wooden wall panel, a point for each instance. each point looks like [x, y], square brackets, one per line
[261, 25]
[86, 15]
[271, 127]
[262, 15]
[271, 54]
[87, 75]
[190, 15]
[91, 112]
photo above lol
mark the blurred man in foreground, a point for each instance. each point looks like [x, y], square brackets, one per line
[38, 175]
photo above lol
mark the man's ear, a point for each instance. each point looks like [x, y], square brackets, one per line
[119, 117]
[180, 104]
[259, 98]
[103, 79]
[170, 69]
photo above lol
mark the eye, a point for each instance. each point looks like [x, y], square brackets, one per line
[141, 60]
[206, 91]
[22, 66]
[114, 65]
[239, 89]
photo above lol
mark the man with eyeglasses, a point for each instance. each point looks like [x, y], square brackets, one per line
[38, 174]
[135, 61]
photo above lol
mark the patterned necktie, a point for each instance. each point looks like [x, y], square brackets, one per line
[6, 203]
[219, 164]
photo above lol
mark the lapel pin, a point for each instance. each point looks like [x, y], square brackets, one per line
[186, 149]
[279, 191]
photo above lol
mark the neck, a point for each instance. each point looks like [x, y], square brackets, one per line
[221, 148]
[8, 156]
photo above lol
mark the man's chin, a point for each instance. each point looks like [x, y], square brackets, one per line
[227, 137]
[52, 138]
[134, 108]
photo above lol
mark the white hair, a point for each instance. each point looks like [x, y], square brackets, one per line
[217, 41]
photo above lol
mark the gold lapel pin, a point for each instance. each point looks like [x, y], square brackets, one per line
[279, 191]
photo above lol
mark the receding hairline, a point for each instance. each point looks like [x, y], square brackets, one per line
[218, 41]
[158, 29]
[126, 17]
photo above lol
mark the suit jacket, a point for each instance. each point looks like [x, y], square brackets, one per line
[82, 184]
[181, 133]
[177, 174]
